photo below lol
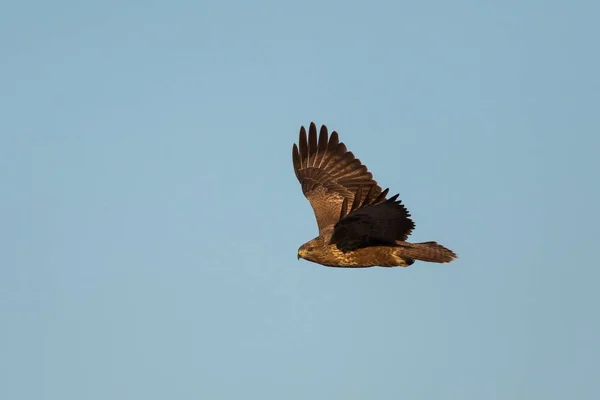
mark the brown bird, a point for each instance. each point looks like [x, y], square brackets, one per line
[358, 226]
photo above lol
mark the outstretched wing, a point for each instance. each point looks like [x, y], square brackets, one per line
[374, 221]
[328, 173]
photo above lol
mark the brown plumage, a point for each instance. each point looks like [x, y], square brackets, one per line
[358, 225]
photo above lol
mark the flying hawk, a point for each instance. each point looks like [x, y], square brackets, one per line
[358, 225]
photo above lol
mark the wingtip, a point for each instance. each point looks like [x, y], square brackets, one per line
[334, 139]
[302, 131]
[356, 203]
[295, 157]
[323, 136]
[344, 207]
[382, 196]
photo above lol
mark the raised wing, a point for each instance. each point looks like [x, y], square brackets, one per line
[329, 173]
[374, 221]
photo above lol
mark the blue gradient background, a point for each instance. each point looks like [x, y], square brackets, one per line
[150, 216]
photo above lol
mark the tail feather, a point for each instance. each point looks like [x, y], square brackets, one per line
[427, 251]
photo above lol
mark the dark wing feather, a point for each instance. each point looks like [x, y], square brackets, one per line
[329, 174]
[373, 222]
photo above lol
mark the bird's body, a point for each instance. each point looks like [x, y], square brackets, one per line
[331, 256]
[358, 226]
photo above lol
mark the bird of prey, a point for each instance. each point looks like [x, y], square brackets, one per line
[359, 226]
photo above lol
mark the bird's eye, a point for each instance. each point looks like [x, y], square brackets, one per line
[310, 248]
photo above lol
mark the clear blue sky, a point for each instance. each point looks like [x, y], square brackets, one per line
[150, 216]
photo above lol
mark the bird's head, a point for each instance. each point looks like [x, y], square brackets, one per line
[310, 250]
